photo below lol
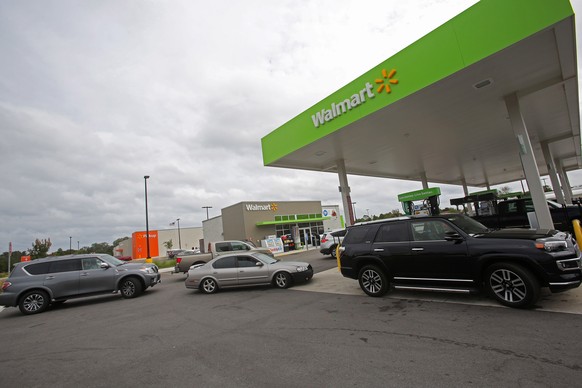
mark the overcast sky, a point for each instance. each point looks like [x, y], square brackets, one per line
[96, 94]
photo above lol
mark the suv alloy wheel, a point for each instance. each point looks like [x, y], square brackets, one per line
[512, 285]
[373, 280]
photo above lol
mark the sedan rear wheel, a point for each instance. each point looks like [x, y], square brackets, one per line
[373, 281]
[208, 286]
[512, 285]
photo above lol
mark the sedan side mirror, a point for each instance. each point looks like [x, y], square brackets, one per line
[259, 264]
[104, 265]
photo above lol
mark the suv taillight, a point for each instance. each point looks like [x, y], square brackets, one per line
[323, 240]
[5, 285]
[178, 260]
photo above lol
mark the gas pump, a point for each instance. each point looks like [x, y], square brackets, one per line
[425, 201]
[484, 202]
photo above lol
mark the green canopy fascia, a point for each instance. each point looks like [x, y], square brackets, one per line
[475, 34]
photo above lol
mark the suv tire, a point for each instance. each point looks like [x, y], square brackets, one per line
[332, 251]
[373, 281]
[130, 287]
[34, 302]
[512, 285]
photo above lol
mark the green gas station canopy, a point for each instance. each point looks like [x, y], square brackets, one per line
[437, 107]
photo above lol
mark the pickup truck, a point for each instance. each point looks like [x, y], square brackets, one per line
[183, 262]
[513, 214]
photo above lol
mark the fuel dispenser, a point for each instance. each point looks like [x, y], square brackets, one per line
[484, 202]
[425, 201]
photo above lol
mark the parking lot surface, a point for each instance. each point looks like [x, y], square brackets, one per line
[265, 337]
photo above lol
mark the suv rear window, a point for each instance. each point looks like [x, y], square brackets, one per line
[65, 265]
[37, 269]
[392, 232]
[358, 235]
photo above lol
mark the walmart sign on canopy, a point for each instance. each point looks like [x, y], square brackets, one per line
[338, 108]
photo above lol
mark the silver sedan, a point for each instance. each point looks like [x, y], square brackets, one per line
[246, 269]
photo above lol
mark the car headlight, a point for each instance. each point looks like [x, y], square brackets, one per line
[301, 268]
[551, 246]
[147, 269]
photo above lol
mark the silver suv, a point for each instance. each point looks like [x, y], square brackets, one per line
[330, 241]
[33, 285]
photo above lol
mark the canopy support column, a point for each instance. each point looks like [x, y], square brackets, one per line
[344, 189]
[424, 180]
[528, 162]
[552, 172]
[466, 192]
[566, 187]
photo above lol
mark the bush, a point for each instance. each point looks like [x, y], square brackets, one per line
[165, 263]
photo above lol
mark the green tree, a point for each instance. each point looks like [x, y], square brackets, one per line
[119, 240]
[15, 258]
[40, 248]
[169, 244]
[504, 190]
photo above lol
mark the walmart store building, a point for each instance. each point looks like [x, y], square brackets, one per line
[261, 221]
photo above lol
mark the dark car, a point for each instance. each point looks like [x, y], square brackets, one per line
[33, 285]
[455, 253]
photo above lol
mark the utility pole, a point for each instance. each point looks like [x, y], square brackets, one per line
[206, 207]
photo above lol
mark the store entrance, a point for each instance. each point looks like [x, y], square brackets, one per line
[305, 237]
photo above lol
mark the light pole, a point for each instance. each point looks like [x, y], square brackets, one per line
[354, 207]
[206, 207]
[148, 258]
[78, 248]
[179, 237]
[70, 244]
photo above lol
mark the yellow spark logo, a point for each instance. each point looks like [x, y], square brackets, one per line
[386, 81]
[274, 207]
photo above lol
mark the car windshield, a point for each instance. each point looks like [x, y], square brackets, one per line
[466, 224]
[252, 244]
[265, 258]
[111, 260]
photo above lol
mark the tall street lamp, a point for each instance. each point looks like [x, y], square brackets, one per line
[206, 207]
[354, 207]
[179, 237]
[70, 244]
[148, 258]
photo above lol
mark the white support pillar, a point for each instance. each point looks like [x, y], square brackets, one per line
[466, 192]
[528, 162]
[566, 187]
[344, 189]
[552, 172]
[424, 180]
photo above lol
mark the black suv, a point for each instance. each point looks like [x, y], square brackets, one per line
[455, 253]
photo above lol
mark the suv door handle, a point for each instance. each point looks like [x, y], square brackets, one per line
[49, 278]
[85, 274]
[378, 249]
[418, 249]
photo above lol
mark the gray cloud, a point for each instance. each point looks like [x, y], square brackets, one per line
[94, 95]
